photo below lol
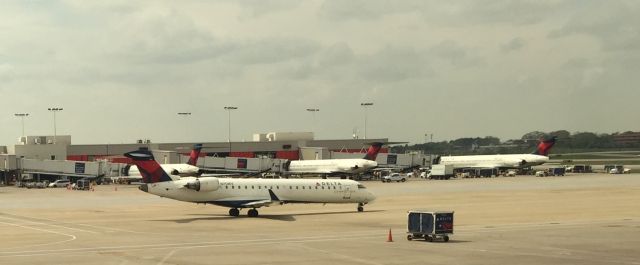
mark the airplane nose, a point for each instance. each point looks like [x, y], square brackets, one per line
[144, 188]
[370, 197]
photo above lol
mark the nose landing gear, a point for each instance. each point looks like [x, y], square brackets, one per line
[360, 207]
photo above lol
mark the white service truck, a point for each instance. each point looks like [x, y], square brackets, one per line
[441, 172]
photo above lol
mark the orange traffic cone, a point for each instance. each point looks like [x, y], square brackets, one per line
[390, 237]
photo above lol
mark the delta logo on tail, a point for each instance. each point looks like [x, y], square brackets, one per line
[545, 146]
[195, 154]
[373, 151]
[150, 170]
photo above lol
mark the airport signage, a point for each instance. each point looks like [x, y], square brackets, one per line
[80, 168]
[242, 163]
[392, 159]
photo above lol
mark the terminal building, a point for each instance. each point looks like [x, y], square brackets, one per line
[56, 156]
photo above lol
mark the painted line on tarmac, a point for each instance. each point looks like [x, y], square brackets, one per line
[190, 245]
[166, 257]
[526, 226]
[45, 224]
[340, 256]
[566, 256]
[107, 229]
[72, 237]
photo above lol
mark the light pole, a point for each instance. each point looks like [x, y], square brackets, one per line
[22, 116]
[185, 114]
[55, 133]
[365, 106]
[229, 109]
[313, 111]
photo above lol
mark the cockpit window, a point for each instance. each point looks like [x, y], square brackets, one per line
[360, 186]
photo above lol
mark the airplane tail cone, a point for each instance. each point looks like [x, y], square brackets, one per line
[390, 237]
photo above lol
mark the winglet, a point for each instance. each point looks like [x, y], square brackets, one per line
[273, 196]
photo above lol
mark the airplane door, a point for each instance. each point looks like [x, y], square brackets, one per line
[347, 193]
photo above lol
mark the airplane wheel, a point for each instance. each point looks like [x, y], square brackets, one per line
[234, 212]
[360, 209]
[252, 213]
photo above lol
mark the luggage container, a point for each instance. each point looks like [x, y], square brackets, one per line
[430, 225]
[556, 171]
[83, 184]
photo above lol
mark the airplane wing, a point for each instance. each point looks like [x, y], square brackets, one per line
[220, 175]
[258, 204]
[231, 172]
[491, 166]
[273, 200]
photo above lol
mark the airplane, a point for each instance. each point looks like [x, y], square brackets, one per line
[336, 166]
[238, 194]
[188, 169]
[538, 157]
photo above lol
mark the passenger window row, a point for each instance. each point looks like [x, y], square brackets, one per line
[246, 187]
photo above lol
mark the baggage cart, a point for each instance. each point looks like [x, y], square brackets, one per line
[430, 225]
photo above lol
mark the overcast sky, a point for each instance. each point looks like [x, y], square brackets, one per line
[123, 69]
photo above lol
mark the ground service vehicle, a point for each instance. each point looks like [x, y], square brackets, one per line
[556, 171]
[430, 225]
[394, 177]
[581, 169]
[83, 184]
[61, 183]
[541, 173]
[441, 172]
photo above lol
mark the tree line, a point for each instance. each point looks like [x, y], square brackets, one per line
[566, 142]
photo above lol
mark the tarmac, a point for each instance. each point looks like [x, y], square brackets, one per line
[575, 219]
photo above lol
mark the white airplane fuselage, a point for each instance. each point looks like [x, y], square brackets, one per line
[494, 161]
[171, 169]
[328, 166]
[238, 193]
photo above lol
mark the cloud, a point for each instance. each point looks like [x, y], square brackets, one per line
[513, 45]
[257, 8]
[447, 13]
[361, 9]
[614, 24]
[275, 58]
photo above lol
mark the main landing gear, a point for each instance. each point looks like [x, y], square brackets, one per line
[360, 207]
[252, 213]
[235, 212]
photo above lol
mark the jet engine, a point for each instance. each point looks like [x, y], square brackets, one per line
[203, 184]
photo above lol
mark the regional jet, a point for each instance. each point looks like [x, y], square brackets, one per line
[538, 157]
[336, 166]
[239, 194]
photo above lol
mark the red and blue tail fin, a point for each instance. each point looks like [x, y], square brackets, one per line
[545, 146]
[195, 153]
[149, 168]
[373, 151]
